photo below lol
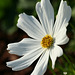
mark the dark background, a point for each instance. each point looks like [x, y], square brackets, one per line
[9, 33]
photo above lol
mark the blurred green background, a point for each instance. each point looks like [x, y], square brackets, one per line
[9, 11]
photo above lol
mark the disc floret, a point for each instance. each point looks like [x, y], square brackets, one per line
[46, 41]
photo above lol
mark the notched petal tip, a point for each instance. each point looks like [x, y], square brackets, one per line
[8, 47]
[8, 64]
[21, 14]
[38, 5]
[43, 2]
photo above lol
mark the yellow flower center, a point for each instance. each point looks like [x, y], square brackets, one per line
[46, 41]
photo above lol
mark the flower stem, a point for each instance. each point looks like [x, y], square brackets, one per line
[67, 59]
[49, 66]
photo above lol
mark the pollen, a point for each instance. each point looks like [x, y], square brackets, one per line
[46, 41]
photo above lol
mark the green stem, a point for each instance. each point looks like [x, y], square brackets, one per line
[49, 66]
[67, 59]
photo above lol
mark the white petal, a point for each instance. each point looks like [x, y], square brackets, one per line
[24, 46]
[63, 16]
[55, 52]
[61, 38]
[25, 61]
[41, 65]
[30, 25]
[46, 15]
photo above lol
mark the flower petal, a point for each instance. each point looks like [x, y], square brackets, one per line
[41, 65]
[31, 26]
[24, 46]
[55, 52]
[45, 13]
[25, 61]
[63, 16]
[61, 38]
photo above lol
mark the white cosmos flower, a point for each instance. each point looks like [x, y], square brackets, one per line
[45, 37]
